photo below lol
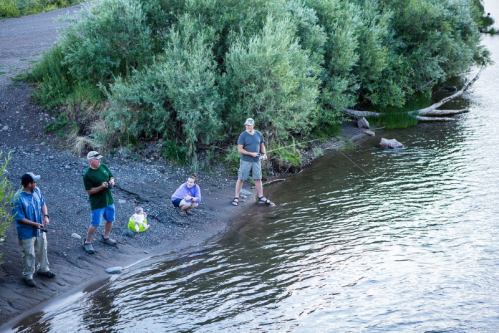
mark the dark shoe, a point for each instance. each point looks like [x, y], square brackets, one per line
[182, 213]
[235, 201]
[29, 282]
[88, 248]
[109, 241]
[188, 212]
[48, 274]
[265, 201]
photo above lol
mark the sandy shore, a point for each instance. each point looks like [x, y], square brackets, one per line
[140, 180]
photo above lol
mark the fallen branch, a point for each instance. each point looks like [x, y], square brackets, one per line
[273, 181]
[422, 114]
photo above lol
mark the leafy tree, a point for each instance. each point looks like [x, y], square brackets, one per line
[178, 89]
[272, 79]
[107, 38]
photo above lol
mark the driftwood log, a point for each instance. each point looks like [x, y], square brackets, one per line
[429, 114]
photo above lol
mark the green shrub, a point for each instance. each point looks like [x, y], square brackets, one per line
[174, 152]
[179, 88]
[54, 81]
[16, 8]
[6, 195]
[8, 8]
[232, 157]
[273, 80]
[107, 38]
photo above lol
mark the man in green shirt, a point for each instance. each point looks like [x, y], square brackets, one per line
[98, 181]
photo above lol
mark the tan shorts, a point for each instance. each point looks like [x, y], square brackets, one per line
[246, 167]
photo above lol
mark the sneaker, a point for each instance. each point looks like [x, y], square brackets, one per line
[88, 247]
[109, 241]
[188, 212]
[29, 282]
[182, 213]
[48, 274]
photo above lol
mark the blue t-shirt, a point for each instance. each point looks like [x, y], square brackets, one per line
[29, 206]
[250, 143]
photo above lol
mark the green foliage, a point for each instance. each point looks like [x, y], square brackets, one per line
[189, 72]
[16, 8]
[107, 38]
[290, 156]
[273, 80]
[178, 88]
[6, 195]
[54, 83]
[174, 152]
[232, 157]
[9, 8]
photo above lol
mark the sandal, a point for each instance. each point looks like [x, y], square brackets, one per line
[263, 200]
[235, 201]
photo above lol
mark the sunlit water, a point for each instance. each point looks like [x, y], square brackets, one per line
[364, 240]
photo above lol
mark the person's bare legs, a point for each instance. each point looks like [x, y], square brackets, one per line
[90, 233]
[239, 186]
[259, 187]
[107, 229]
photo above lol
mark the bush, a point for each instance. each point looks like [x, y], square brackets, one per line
[273, 80]
[8, 8]
[16, 8]
[6, 195]
[54, 81]
[179, 88]
[106, 39]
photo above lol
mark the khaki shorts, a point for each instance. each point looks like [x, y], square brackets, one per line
[246, 167]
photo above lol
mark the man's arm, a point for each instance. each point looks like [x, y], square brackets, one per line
[45, 213]
[242, 151]
[31, 223]
[97, 189]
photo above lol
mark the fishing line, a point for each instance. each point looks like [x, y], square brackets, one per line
[240, 233]
[354, 163]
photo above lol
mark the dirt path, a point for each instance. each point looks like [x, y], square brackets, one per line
[141, 180]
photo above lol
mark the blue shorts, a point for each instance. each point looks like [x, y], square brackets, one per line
[176, 202]
[107, 213]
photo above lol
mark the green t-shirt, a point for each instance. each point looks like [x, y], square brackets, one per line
[95, 178]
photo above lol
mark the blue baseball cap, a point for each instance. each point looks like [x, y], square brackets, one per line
[30, 177]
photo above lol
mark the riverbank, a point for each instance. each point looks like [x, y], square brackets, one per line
[140, 180]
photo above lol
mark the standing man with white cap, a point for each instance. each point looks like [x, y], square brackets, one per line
[250, 145]
[31, 215]
[98, 181]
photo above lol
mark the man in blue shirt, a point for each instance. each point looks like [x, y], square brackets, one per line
[31, 215]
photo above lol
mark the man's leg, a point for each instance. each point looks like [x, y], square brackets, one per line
[41, 252]
[259, 187]
[107, 229]
[239, 186]
[109, 215]
[90, 233]
[28, 256]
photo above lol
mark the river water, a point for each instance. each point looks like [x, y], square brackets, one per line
[364, 240]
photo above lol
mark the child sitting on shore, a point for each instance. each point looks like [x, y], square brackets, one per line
[138, 221]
